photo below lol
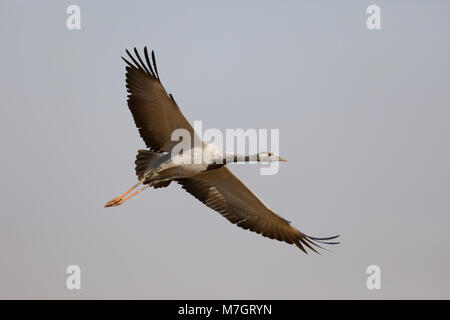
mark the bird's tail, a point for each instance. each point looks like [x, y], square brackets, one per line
[145, 160]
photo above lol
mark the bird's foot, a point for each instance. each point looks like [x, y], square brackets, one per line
[114, 202]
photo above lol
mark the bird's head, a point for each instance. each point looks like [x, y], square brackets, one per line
[268, 156]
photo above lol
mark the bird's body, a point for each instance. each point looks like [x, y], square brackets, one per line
[201, 169]
[173, 167]
[157, 168]
[165, 166]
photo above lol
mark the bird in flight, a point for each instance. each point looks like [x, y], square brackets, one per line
[157, 115]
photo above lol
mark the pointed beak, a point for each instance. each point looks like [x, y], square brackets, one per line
[282, 159]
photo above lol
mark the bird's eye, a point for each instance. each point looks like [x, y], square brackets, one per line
[270, 154]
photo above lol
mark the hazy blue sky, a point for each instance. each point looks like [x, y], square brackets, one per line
[364, 119]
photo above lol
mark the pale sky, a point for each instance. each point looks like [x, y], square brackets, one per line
[363, 118]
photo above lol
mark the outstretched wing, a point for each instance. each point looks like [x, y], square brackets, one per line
[223, 192]
[154, 110]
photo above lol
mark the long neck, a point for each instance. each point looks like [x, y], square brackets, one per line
[230, 158]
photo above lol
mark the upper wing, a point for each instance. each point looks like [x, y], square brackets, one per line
[222, 191]
[154, 110]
